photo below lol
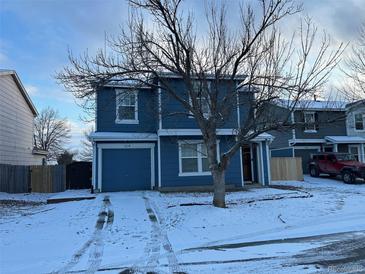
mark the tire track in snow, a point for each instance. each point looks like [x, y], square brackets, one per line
[105, 220]
[158, 238]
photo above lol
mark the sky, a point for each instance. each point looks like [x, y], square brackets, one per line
[35, 36]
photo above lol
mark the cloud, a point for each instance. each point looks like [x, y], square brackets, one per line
[77, 133]
[32, 90]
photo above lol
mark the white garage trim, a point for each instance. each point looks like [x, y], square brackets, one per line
[125, 146]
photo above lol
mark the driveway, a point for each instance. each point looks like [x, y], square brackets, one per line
[315, 226]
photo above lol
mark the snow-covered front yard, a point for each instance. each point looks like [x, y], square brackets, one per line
[294, 227]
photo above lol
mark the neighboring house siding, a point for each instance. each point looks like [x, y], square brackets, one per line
[351, 130]
[170, 164]
[331, 123]
[16, 126]
[147, 112]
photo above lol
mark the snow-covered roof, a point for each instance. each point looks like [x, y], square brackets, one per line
[313, 104]
[122, 136]
[345, 139]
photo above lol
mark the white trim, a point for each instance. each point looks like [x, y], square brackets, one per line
[259, 163]
[238, 108]
[268, 163]
[93, 167]
[126, 121]
[335, 148]
[159, 161]
[293, 121]
[123, 136]
[241, 165]
[262, 163]
[306, 141]
[362, 153]
[200, 168]
[281, 148]
[363, 121]
[345, 139]
[193, 132]
[126, 146]
[159, 107]
[305, 121]
[308, 147]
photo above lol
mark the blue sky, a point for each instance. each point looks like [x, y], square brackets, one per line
[36, 34]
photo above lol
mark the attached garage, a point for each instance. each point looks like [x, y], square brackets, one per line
[126, 166]
[305, 153]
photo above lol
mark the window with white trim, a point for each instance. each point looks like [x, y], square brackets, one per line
[359, 121]
[310, 122]
[201, 96]
[193, 158]
[126, 106]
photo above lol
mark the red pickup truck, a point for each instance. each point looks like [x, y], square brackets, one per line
[335, 164]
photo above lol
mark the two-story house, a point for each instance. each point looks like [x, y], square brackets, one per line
[17, 113]
[327, 126]
[144, 139]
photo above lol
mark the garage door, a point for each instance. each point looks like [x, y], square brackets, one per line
[127, 168]
[305, 154]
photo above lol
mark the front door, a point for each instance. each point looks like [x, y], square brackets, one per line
[247, 168]
[354, 150]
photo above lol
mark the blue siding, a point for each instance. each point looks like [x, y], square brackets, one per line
[170, 165]
[182, 120]
[337, 127]
[126, 169]
[285, 152]
[147, 112]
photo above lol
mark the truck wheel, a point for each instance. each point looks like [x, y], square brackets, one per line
[348, 177]
[313, 171]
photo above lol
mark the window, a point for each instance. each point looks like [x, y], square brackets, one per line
[359, 121]
[310, 122]
[193, 159]
[202, 97]
[126, 107]
[354, 150]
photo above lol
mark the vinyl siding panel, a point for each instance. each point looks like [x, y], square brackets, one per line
[16, 126]
[350, 121]
[147, 112]
[170, 165]
[335, 127]
[174, 115]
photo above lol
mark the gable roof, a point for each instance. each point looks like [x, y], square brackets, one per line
[313, 105]
[21, 88]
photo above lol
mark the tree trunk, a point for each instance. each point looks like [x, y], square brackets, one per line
[219, 188]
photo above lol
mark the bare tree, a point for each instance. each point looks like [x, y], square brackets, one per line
[252, 55]
[51, 133]
[355, 69]
[86, 153]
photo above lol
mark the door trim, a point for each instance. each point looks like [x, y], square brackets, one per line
[125, 146]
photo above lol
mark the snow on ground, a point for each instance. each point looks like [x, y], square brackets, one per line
[263, 230]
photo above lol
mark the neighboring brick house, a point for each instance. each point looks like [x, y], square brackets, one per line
[137, 146]
[17, 114]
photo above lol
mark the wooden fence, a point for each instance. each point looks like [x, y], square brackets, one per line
[286, 169]
[14, 179]
[20, 179]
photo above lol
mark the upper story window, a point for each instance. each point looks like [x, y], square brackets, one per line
[202, 96]
[310, 119]
[359, 121]
[126, 106]
[193, 158]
